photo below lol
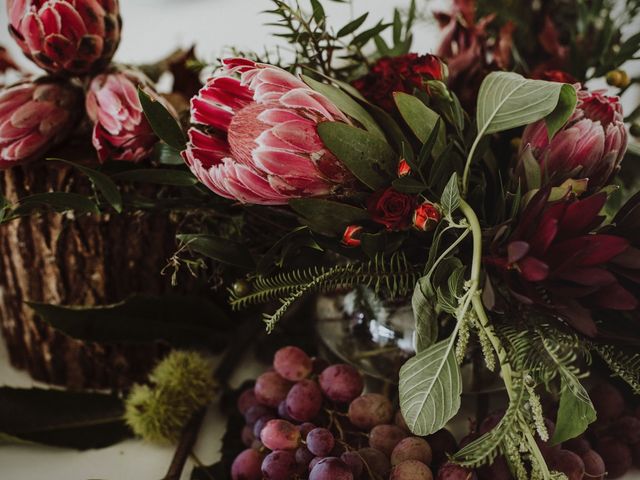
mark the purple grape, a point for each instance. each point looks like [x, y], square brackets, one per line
[331, 468]
[451, 471]
[313, 462]
[386, 437]
[292, 363]
[341, 383]
[279, 465]
[568, 463]
[375, 460]
[496, 470]
[354, 462]
[608, 401]
[627, 429]
[401, 422]
[280, 435]
[411, 470]
[304, 401]
[283, 412]
[594, 468]
[260, 423]
[616, 456]
[411, 448]
[246, 400]
[442, 443]
[255, 412]
[369, 410]
[305, 428]
[320, 442]
[304, 457]
[246, 466]
[490, 422]
[247, 436]
[579, 445]
[271, 389]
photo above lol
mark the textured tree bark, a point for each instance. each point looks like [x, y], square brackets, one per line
[91, 260]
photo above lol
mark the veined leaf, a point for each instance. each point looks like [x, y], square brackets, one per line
[352, 26]
[508, 100]
[420, 118]
[162, 122]
[423, 303]
[576, 411]
[58, 201]
[220, 249]
[369, 157]
[450, 199]
[430, 388]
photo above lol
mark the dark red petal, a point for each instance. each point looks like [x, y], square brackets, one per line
[517, 250]
[593, 276]
[630, 258]
[578, 317]
[534, 208]
[543, 237]
[615, 297]
[533, 270]
[588, 250]
[579, 215]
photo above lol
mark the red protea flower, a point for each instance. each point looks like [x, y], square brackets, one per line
[66, 36]
[256, 138]
[35, 116]
[120, 130]
[591, 145]
[554, 260]
[399, 74]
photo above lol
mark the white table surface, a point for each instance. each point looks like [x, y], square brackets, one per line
[152, 29]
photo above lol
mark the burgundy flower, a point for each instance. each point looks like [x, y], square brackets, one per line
[35, 116]
[426, 216]
[66, 36]
[554, 260]
[559, 76]
[120, 131]
[591, 145]
[391, 208]
[351, 236]
[266, 148]
[399, 74]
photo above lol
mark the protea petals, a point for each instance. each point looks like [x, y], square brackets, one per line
[35, 116]
[591, 145]
[120, 129]
[256, 138]
[73, 37]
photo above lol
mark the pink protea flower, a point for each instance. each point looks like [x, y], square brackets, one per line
[35, 116]
[120, 131]
[256, 138]
[591, 145]
[66, 36]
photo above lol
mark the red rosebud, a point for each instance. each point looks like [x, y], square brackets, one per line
[351, 236]
[403, 168]
[391, 208]
[426, 216]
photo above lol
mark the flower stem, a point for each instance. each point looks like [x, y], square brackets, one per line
[467, 166]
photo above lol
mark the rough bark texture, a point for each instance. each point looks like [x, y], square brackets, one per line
[92, 260]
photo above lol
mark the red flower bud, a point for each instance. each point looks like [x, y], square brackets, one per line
[403, 168]
[558, 76]
[391, 208]
[351, 236]
[426, 216]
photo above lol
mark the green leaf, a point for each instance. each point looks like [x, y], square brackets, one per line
[166, 155]
[409, 185]
[352, 26]
[162, 122]
[361, 39]
[58, 201]
[576, 411]
[101, 182]
[326, 216]
[430, 388]
[181, 320]
[221, 249]
[160, 176]
[367, 156]
[531, 167]
[508, 100]
[346, 105]
[62, 418]
[450, 199]
[423, 302]
[318, 11]
[564, 109]
[420, 118]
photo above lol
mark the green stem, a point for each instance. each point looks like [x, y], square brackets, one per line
[467, 166]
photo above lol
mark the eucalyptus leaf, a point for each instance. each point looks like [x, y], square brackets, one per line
[575, 412]
[421, 119]
[57, 201]
[367, 156]
[159, 176]
[221, 249]
[352, 26]
[162, 122]
[430, 388]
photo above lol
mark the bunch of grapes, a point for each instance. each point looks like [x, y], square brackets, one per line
[306, 419]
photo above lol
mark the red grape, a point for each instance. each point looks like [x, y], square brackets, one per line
[341, 383]
[607, 400]
[247, 435]
[279, 465]
[331, 468]
[616, 456]
[260, 424]
[451, 471]
[579, 445]
[292, 363]
[271, 389]
[369, 410]
[313, 462]
[320, 442]
[496, 470]
[411, 448]
[386, 437]
[246, 466]
[305, 428]
[411, 470]
[375, 460]
[354, 462]
[635, 453]
[442, 443]
[627, 429]
[280, 435]
[254, 413]
[304, 457]
[246, 400]
[594, 468]
[568, 463]
[304, 401]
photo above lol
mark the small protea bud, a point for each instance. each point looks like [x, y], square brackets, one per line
[181, 384]
[618, 78]
[426, 216]
[403, 168]
[351, 236]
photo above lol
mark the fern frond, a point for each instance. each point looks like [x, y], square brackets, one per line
[621, 363]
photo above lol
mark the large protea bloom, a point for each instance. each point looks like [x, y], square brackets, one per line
[66, 36]
[256, 138]
[591, 145]
[554, 260]
[120, 131]
[35, 116]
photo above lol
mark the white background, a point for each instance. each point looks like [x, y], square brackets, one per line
[152, 29]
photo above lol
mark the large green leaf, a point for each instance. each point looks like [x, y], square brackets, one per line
[162, 122]
[508, 100]
[57, 201]
[159, 176]
[367, 156]
[346, 105]
[423, 302]
[575, 412]
[61, 418]
[181, 320]
[421, 119]
[430, 388]
[326, 216]
[220, 249]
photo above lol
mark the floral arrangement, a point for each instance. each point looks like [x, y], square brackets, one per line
[488, 185]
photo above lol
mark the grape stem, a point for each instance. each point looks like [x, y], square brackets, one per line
[484, 322]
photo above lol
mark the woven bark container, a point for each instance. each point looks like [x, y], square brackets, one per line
[90, 260]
